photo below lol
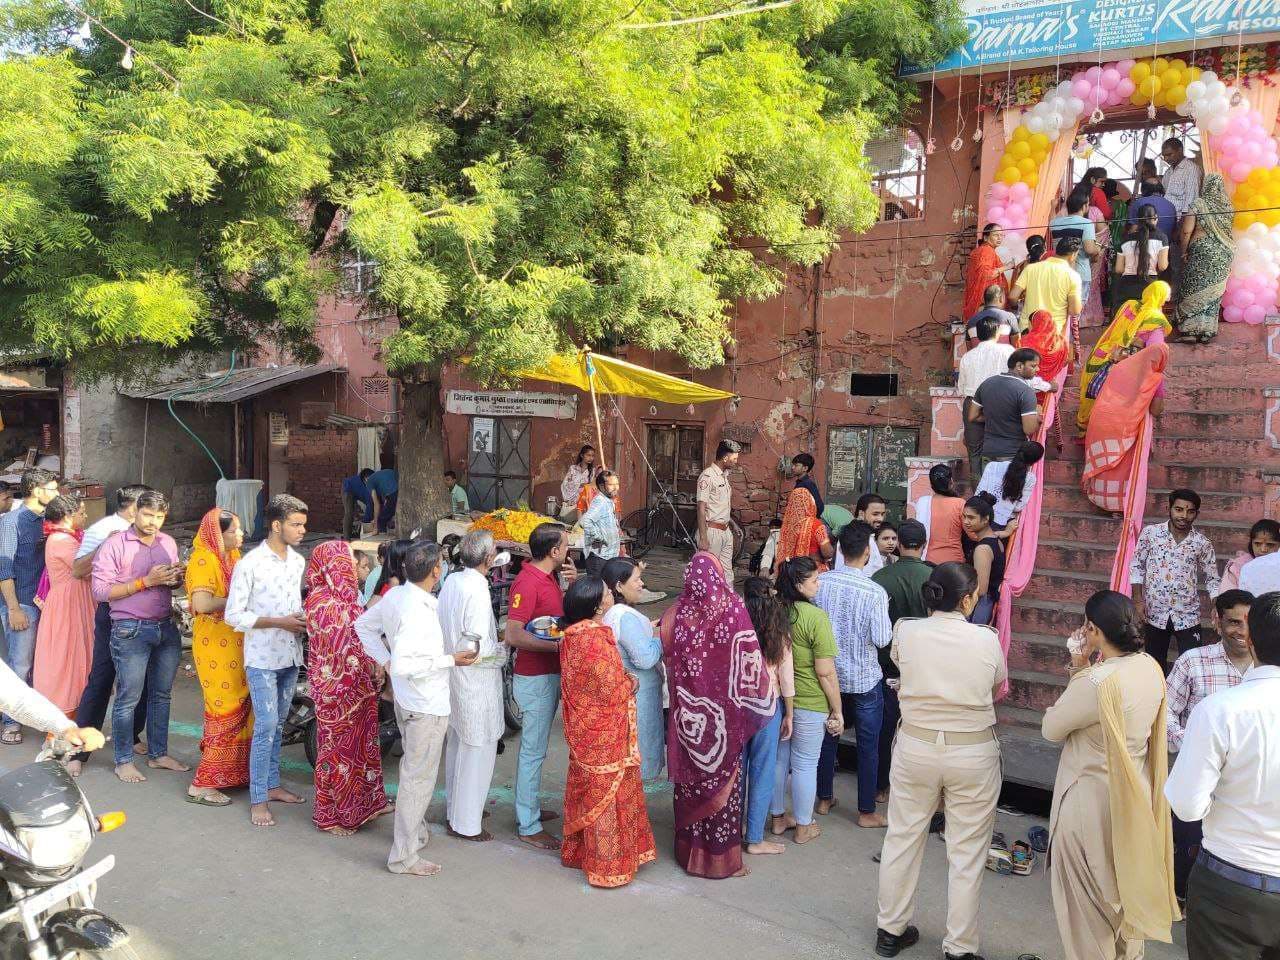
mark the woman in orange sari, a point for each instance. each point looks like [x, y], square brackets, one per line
[218, 652]
[984, 268]
[606, 825]
[1134, 387]
[803, 534]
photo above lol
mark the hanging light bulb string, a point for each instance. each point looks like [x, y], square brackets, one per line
[130, 54]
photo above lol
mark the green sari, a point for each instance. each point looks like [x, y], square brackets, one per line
[1207, 261]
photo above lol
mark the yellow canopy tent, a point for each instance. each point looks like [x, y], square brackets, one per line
[592, 372]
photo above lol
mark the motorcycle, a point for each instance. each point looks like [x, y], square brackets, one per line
[300, 723]
[46, 828]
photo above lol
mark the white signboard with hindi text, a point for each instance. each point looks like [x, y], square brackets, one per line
[512, 403]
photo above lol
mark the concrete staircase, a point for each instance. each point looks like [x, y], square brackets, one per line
[1211, 438]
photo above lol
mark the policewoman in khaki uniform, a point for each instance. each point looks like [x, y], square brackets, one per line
[946, 750]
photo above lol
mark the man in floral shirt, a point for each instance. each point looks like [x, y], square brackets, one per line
[1168, 564]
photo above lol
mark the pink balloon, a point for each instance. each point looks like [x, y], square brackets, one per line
[1110, 77]
[1232, 314]
[1000, 190]
[1254, 314]
[1243, 297]
[1125, 88]
[1124, 66]
[1019, 190]
[1239, 171]
[1228, 144]
[997, 213]
[1093, 73]
[1081, 87]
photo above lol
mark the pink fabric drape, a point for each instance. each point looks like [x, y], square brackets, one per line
[1135, 507]
[1021, 562]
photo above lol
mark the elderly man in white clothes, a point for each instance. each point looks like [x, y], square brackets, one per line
[402, 634]
[475, 696]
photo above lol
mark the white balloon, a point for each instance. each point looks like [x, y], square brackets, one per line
[1075, 107]
[1208, 77]
[1052, 135]
[1035, 123]
[1195, 89]
[1217, 124]
[1055, 121]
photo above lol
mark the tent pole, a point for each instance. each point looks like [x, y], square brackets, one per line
[595, 409]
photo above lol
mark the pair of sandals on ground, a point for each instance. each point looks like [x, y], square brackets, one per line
[1020, 859]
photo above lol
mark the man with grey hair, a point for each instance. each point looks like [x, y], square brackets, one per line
[475, 715]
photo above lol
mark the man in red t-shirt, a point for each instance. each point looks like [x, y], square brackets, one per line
[536, 593]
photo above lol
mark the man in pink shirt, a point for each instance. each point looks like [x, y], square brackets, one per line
[134, 573]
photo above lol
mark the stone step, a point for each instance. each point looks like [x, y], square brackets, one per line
[1194, 450]
[1019, 718]
[1228, 477]
[1046, 617]
[1228, 333]
[1075, 555]
[1216, 505]
[1072, 586]
[1242, 424]
[1042, 652]
[1026, 757]
[1034, 690]
[1227, 536]
[1187, 394]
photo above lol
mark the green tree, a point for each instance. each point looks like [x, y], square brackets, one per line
[529, 174]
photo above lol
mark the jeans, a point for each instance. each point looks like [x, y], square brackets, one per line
[974, 433]
[272, 694]
[892, 714]
[1156, 640]
[146, 654]
[538, 698]
[387, 513]
[799, 757]
[867, 712]
[20, 650]
[1084, 289]
[759, 763]
[92, 711]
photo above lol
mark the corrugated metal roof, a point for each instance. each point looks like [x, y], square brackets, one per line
[243, 383]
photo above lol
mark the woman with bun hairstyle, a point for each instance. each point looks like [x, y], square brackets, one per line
[946, 750]
[1111, 845]
[941, 512]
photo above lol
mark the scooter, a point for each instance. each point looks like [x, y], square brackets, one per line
[46, 828]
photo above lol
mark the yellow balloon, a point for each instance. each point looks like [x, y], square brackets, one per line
[1032, 180]
[1020, 133]
[1244, 195]
[1271, 218]
[1039, 156]
[1140, 71]
[1257, 176]
[1179, 63]
[1009, 175]
[1171, 78]
[1159, 65]
[1139, 99]
[1150, 86]
[1019, 149]
[1244, 221]
[1193, 73]
[1026, 165]
[1039, 143]
[1176, 95]
[1159, 100]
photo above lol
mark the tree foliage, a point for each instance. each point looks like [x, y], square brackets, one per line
[529, 174]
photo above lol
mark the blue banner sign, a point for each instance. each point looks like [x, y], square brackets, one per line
[1004, 31]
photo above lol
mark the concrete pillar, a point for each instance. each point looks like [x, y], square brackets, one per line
[946, 439]
[918, 473]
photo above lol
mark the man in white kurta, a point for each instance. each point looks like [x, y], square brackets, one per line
[475, 715]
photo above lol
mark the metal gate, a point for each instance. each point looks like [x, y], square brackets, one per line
[498, 465]
[675, 452]
[870, 460]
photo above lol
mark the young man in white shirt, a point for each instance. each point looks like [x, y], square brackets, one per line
[92, 711]
[476, 723]
[402, 634]
[988, 359]
[1228, 775]
[264, 602]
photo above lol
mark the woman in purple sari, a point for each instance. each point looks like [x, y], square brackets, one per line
[720, 696]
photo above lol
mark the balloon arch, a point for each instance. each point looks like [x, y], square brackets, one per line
[1237, 142]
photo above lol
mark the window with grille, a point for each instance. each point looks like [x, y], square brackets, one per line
[897, 161]
[359, 275]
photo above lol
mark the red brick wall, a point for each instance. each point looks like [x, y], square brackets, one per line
[319, 460]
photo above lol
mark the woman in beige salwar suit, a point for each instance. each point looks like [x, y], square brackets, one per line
[1111, 847]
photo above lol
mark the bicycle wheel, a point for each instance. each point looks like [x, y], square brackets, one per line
[639, 527]
[739, 542]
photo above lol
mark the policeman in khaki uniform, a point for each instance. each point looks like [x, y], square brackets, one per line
[946, 750]
[714, 498]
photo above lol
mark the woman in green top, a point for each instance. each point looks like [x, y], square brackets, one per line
[817, 700]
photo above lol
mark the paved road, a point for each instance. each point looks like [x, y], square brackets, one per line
[203, 884]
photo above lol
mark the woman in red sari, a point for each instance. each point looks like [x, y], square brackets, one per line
[803, 534]
[721, 695]
[1045, 338]
[984, 269]
[1134, 388]
[606, 825]
[344, 686]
